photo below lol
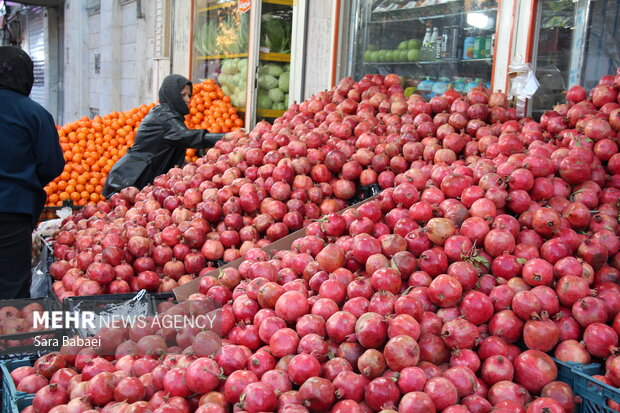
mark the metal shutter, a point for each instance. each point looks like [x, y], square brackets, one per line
[36, 49]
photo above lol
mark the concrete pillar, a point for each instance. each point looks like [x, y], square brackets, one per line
[53, 68]
[110, 56]
[319, 46]
[75, 61]
[181, 37]
[144, 66]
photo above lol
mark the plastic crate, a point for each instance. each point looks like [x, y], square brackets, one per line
[139, 303]
[9, 392]
[158, 298]
[594, 393]
[49, 212]
[567, 371]
[17, 405]
[18, 343]
[364, 192]
[22, 403]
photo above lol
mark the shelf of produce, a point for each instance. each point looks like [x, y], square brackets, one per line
[223, 56]
[276, 57]
[269, 113]
[432, 62]
[388, 19]
[280, 2]
[217, 6]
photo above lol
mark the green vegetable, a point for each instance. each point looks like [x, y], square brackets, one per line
[227, 90]
[279, 106]
[276, 32]
[232, 34]
[286, 99]
[276, 95]
[272, 69]
[223, 78]
[267, 81]
[229, 67]
[284, 80]
[262, 100]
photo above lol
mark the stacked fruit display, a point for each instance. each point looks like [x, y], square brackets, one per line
[493, 246]
[407, 51]
[273, 81]
[92, 146]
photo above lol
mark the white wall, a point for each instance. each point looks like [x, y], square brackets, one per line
[75, 78]
[133, 40]
[319, 46]
[94, 49]
[129, 90]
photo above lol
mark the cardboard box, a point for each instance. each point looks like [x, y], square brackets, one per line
[184, 291]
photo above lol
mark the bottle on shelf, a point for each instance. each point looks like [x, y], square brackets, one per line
[480, 48]
[443, 48]
[434, 36]
[453, 42]
[490, 45]
[468, 46]
[427, 38]
[427, 51]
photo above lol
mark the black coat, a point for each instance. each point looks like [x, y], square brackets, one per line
[31, 156]
[161, 141]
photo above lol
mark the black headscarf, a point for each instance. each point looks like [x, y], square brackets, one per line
[16, 70]
[170, 93]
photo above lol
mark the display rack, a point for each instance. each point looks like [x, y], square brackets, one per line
[276, 57]
[463, 52]
[232, 44]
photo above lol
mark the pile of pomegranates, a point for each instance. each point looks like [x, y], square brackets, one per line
[248, 191]
[493, 246]
[15, 321]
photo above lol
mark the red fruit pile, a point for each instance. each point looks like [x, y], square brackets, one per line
[16, 321]
[491, 233]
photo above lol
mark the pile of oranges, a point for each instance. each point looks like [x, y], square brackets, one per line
[92, 146]
[210, 109]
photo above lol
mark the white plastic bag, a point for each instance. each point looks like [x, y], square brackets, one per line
[523, 86]
[40, 285]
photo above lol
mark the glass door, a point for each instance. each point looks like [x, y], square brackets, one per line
[575, 44]
[220, 42]
[274, 60]
[432, 44]
[249, 47]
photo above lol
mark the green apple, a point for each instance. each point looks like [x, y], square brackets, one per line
[367, 56]
[413, 55]
[374, 56]
[414, 44]
[403, 45]
[381, 55]
[403, 55]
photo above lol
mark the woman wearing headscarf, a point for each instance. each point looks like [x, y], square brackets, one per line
[30, 158]
[161, 139]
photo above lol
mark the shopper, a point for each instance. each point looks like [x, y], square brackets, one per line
[30, 157]
[161, 139]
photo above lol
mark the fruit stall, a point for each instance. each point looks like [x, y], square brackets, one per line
[372, 248]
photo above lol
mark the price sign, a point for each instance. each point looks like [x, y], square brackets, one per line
[244, 5]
